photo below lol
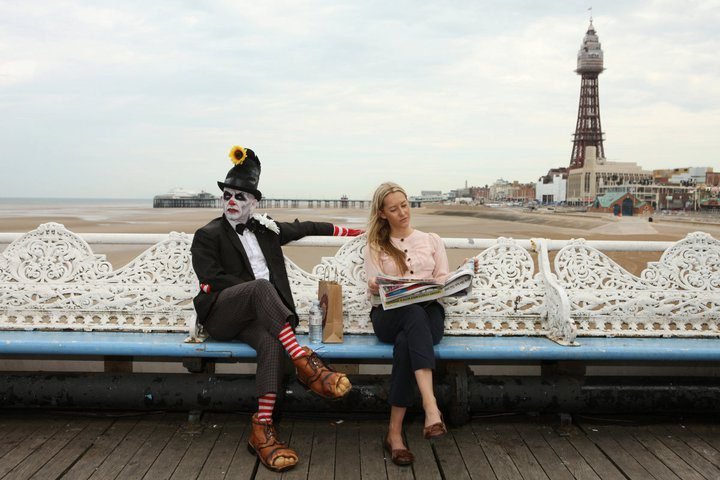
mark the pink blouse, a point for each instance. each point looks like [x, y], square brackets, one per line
[424, 254]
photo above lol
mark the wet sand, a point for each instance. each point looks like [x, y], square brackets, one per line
[462, 222]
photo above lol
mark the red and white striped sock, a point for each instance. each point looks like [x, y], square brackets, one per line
[289, 342]
[266, 403]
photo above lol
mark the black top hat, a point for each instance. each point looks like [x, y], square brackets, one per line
[245, 175]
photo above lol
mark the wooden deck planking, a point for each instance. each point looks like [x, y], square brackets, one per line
[101, 448]
[167, 461]
[602, 465]
[372, 459]
[644, 452]
[322, 460]
[77, 447]
[150, 448]
[201, 444]
[473, 455]
[551, 463]
[449, 458]
[521, 455]
[301, 440]
[670, 460]
[502, 464]
[15, 433]
[696, 443]
[709, 439]
[243, 463]
[29, 438]
[569, 456]
[679, 456]
[608, 443]
[229, 443]
[347, 451]
[126, 448]
[43, 447]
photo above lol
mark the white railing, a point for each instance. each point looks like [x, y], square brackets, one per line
[51, 279]
[148, 239]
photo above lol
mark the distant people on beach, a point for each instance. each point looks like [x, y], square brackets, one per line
[245, 295]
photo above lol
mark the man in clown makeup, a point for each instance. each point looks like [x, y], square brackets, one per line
[245, 295]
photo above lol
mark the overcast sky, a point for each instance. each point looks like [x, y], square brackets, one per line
[134, 98]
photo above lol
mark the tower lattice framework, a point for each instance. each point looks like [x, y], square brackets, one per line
[588, 129]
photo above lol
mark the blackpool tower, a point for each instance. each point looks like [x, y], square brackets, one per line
[588, 132]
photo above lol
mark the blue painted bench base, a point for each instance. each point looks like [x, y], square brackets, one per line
[363, 347]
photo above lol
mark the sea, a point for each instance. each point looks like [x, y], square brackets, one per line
[89, 209]
[140, 210]
[18, 202]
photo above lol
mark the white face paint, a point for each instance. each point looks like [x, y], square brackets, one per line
[238, 206]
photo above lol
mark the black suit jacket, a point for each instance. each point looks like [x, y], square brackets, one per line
[220, 261]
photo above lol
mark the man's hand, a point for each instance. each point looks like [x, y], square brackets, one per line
[339, 231]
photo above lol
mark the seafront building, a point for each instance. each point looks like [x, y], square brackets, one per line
[500, 190]
[689, 188]
[622, 204]
[682, 176]
[552, 187]
[585, 183]
[430, 196]
[659, 197]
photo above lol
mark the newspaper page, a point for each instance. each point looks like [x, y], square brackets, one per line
[397, 291]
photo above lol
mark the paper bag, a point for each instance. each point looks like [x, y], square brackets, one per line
[330, 296]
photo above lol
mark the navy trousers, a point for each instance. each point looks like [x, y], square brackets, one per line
[413, 330]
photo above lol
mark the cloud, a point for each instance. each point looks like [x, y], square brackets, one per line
[132, 99]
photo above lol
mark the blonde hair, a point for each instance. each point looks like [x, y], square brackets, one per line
[378, 231]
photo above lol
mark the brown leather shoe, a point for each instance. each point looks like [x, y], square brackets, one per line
[273, 453]
[321, 379]
[436, 430]
[399, 456]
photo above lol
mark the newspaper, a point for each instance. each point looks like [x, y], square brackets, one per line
[396, 292]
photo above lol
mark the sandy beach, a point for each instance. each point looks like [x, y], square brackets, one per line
[462, 222]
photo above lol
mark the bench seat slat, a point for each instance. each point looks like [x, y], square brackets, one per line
[363, 347]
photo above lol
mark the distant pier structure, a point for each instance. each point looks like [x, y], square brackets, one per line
[342, 202]
[179, 198]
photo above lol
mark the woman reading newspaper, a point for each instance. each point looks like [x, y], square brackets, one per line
[395, 249]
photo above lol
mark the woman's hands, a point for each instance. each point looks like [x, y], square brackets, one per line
[373, 286]
[476, 263]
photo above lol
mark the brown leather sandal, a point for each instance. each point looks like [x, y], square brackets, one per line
[273, 453]
[399, 456]
[436, 430]
[318, 377]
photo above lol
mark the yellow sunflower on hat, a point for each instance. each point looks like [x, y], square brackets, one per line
[238, 154]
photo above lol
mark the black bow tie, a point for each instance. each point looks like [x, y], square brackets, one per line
[251, 225]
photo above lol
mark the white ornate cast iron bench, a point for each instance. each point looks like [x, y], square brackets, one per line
[58, 298]
[51, 281]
